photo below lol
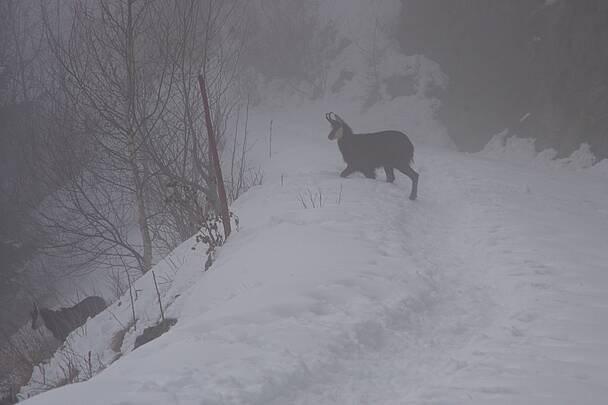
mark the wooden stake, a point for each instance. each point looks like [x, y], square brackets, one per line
[215, 160]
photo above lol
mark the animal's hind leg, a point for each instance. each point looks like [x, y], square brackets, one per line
[348, 171]
[390, 174]
[411, 173]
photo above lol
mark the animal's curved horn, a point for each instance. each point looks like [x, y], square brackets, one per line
[338, 119]
[34, 315]
[328, 117]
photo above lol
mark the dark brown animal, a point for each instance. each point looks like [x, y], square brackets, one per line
[367, 152]
[63, 321]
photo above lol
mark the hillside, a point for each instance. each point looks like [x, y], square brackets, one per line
[491, 288]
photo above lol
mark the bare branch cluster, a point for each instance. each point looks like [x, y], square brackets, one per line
[127, 79]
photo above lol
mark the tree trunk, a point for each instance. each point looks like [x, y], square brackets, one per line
[142, 218]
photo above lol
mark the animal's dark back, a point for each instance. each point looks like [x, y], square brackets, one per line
[92, 305]
[378, 149]
[63, 321]
[57, 323]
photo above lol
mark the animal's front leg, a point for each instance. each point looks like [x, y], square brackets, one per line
[348, 171]
[390, 174]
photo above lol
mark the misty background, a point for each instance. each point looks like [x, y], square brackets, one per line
[94, 122]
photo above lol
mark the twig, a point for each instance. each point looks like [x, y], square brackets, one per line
[131, 296]
[90, 365]
[301, 198]
[270, 142]
[160, 303]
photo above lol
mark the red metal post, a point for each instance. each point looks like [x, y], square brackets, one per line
[224, 213]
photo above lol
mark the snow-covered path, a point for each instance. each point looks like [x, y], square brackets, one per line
[542, 237]
[491, 288]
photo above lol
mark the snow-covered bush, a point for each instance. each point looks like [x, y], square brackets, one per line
[504, 146]
[211, 234]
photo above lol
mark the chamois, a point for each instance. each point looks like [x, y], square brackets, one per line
[366, 152]
[64, 320]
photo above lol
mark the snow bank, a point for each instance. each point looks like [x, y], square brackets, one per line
[111, 334]
[522, 151]
[503, 146]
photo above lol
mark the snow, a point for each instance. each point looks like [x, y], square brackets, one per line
[600, 168]
[507, 147]
[491, 288]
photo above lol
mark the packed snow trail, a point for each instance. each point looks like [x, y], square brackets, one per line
[542, 236]
[491, 288]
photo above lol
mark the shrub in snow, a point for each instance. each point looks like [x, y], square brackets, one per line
[211, 233]
[18, 357]
[311, 199]
[190, 203]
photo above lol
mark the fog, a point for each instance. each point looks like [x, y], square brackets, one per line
[104, 159]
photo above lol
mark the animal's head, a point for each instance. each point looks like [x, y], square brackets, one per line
[35, 314]
[338, 126]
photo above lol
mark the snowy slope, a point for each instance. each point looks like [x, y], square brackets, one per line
[491, 288]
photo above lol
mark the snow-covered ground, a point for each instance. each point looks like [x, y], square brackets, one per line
[491, 288]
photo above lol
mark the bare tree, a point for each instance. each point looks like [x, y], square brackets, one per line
[22, 56]
[117, 81]
[139, 156]
[209, 36]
